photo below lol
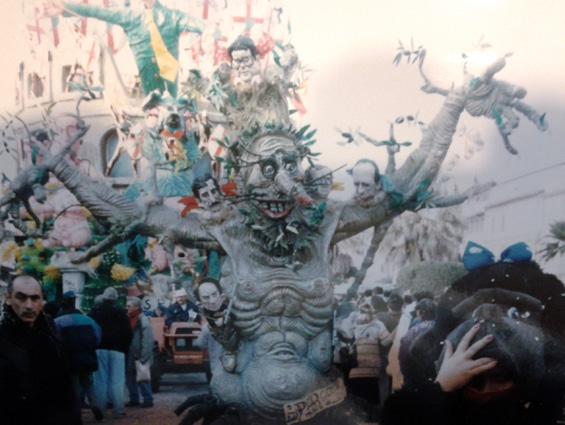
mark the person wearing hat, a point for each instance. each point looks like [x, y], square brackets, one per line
[140, 351]
[109, 379]
[181, 310]
[80, 335]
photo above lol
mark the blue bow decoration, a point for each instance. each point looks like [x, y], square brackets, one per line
[477, 256]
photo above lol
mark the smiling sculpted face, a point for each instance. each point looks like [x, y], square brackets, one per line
[275, 177]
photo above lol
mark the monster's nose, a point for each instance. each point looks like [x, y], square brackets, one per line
[292, 188]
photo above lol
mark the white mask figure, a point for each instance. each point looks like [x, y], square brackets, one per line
[364, 181]
[245, 67]
[209, 196]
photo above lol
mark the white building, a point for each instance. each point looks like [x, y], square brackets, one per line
[519, 209]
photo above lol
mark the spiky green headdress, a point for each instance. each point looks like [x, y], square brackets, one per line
[302, 138]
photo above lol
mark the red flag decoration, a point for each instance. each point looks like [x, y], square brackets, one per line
[229, 189]
[248, 20]
[91, 55]
[205, 9]
[109, 35]
[83, 22]
[297, 103]
[55, 30]
[190, 203]
[196, 50]
[220, 51]
[265, 45]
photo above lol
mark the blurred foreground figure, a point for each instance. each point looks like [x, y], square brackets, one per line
[35, 383]
[495, 354]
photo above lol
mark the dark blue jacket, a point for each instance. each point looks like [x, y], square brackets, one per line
[175, 313]
[81, 336]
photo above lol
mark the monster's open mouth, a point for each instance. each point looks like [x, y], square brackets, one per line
[275, 208]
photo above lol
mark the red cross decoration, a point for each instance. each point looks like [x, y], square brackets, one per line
[248, 19]
[36, 28]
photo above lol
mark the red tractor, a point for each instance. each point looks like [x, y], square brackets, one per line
[175, 351]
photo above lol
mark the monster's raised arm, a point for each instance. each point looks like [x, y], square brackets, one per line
[482, 96]
[125, 218]
[412, 178]
[116, 16]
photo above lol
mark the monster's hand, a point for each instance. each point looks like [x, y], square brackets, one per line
[204, 406]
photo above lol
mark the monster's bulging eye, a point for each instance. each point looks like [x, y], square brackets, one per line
[290, 166]
[269, 169]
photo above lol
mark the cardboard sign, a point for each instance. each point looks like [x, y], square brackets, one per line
[309, 406]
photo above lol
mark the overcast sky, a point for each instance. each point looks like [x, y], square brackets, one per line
[350, 46]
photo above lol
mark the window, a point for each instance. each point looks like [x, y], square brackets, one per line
[123, 166]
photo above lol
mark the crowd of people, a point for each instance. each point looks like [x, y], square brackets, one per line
[480, 353]
[489, 350]
[366, 348]
[55, 360]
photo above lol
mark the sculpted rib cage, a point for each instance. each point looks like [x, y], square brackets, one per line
[305, 311]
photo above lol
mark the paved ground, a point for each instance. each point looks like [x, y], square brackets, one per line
[175, 388]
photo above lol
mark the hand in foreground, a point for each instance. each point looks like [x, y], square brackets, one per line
[458, 368]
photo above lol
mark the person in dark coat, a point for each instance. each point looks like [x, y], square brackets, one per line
[109, 379]
[81, 335]
[35, 382]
